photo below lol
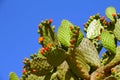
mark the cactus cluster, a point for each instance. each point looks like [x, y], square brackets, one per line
[69, 55]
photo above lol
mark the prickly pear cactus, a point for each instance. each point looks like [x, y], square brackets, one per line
[69, 55]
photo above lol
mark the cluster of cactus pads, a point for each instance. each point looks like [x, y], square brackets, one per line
[69, 55]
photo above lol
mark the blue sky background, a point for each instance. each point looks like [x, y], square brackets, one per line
[19, 21]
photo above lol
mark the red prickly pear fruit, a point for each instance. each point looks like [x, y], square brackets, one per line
[33, 70]
[24, 71]
[46, 48]
[102, 18]
[91, 17]
[71, 27]
[97, 74]
[114, 15]
[42, 50]
[72, 41]
[98, 37]
[71, 46]
[77, 32]
[49, 45]
[50, 20]
[85, 25]
[105, 23]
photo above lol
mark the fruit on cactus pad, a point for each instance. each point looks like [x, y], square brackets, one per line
[110, 11]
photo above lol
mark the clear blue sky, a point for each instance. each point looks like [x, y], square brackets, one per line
[19, 20]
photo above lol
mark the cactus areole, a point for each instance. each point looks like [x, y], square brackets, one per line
[69, 55]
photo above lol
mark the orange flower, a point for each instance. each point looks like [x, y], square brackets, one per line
[40, 39]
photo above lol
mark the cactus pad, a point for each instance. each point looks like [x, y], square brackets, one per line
[117, 56]
[56, 56]
[117, 29]
[78, 65]
[13, 76]
[64, 32]
[40, 66]
[93, 29]
[108, 41]
[89, 52]
[109, 11]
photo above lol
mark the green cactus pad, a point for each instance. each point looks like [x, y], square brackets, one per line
[108, 41]
[89, 52]
[40, 65]
[56, 56]
[64, 32]
[13, 76]
[93, 29]
[47, 33]
[117, 29]
[117, 56]
[78, 65]
[109, 11]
